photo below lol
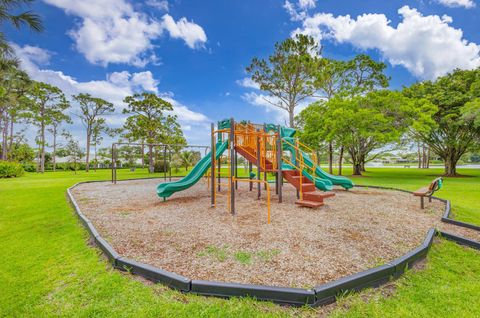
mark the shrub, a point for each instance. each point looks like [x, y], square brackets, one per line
[159, 166]
[30, 166]
[10, 169]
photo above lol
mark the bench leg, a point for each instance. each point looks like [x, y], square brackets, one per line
[422, 205]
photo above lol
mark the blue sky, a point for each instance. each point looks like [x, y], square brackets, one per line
[194, 53]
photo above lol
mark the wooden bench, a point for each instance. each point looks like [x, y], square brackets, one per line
[434, 186]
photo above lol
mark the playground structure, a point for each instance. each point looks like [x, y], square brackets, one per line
[271, 149]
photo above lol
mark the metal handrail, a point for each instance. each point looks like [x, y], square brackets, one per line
[299, 163]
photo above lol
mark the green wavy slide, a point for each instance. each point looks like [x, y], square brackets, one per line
[323, 180]
[164, 190]
[336, 180]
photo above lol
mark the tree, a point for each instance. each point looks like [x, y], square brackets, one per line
[150, 121]
[72, 152]
[128, 153]
[92, 108]
[8, 14]
[13, 102]
[363, 75]
[367, 123]
[331, 79]
[289, 73]
[55, 124]
[455, 131]
[312, 131]
[47, 106]
[21, 152]
[344, 78]
[105, 154]
[188, 158]
[99, 129]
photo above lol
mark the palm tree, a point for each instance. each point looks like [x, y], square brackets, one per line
[27, 18]
[187, 158]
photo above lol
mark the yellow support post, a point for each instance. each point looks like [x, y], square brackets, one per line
[268, 194]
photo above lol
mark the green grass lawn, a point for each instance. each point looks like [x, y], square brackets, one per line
[48, 268]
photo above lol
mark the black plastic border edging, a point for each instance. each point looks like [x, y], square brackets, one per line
[147, 271]
[320, 295]
[373, 277]
[459, 240]
[280, 295]
[154, 274]
[446, 219]
[446, 215]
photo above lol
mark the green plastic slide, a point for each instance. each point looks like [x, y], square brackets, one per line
[288, 135]
[336, 180]
[164, 190]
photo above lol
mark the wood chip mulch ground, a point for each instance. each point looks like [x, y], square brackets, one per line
[354, 231]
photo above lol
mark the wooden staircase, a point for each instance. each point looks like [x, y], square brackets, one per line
[311, 197]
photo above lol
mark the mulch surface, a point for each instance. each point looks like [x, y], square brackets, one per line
[355, 230]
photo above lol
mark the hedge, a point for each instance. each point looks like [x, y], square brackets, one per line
[10, 169]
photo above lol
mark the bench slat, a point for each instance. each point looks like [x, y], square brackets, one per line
[422, 192]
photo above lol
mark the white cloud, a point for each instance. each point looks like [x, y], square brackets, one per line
[426, 45]
[191, 33]
[113, 88]
[158, 4]
[35, 54]
[248, 83]
[458, 3]
[298, 10]
[111, 31]
[307, 4]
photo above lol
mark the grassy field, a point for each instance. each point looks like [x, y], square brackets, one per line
[48, 269]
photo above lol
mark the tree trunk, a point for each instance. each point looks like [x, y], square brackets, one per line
[424, 157]
[150, 159]
[340, 159]
[450, 169]
[38, 156]
[428, 158]
[4, 136]
[96, 160]
[451, 166]
[419, 156]
[11, 135]
[330, 157]
[143, 155]
[42, 147]
[357, 169]
[291, 117]
[54, 153]
[87, 155]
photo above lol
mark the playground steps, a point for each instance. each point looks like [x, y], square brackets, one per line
[248, 153]
[311, 197]
[309, 204]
